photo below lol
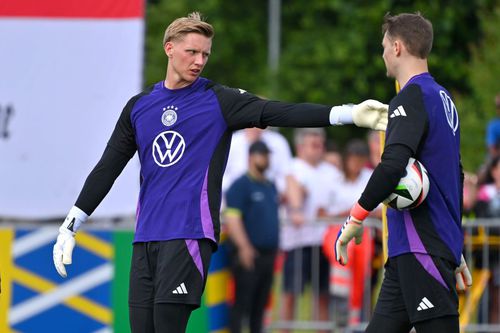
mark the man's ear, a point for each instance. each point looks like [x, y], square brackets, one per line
[398, 47]
[168, 47]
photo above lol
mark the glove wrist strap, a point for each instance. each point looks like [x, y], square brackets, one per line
[73, 221]
[342, 114]
[358, 212]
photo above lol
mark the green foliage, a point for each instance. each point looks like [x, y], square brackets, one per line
[239, 53]
[331, 53]
[483, 75]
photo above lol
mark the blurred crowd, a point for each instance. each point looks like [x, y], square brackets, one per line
[316, 185]
[314, 190]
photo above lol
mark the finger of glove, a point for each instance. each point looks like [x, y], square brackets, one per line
[67, 251]
[61, 269]
[468, 277]
[383, 107]
[341, 252]
[374, 104]
[358, 239]
[381, 124]
[57, 257]
[460, 282]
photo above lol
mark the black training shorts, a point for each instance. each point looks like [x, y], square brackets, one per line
[173, 271]
[419, 287]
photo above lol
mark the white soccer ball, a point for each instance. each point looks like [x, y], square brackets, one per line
[412, 188]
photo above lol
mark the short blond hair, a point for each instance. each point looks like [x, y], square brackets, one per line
[184, 25]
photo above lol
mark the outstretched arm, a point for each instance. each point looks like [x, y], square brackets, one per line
[370, 114]
[242, 109]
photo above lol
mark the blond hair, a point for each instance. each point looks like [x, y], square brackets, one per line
[184, 25]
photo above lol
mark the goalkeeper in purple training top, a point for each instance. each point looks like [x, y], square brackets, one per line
[425, 243]
[181, 128]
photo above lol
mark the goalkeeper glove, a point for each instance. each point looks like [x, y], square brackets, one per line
[463, 276]
[370, 114]
[63, 248]
[352, 228]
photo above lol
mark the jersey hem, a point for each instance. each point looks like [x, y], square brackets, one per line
[160, 238]
[432, 253]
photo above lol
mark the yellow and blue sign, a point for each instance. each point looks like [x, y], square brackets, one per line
[37, 298]
[34, 298]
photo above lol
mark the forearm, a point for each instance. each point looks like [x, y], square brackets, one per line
[294, 193]
[101, 179]
[386, 176]
[295, 115]
[237, 232]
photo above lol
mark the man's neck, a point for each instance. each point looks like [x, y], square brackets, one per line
[174, 81]
[311, 162]
[414, 67]
[254, 173]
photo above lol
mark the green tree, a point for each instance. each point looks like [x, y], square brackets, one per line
[483, 75]
[331, 53]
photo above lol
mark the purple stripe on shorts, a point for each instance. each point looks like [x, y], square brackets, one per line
[194, 251]
[418, 249]
[206, 218]
[426, 261]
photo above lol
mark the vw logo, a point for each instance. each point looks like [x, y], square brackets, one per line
[168, 148]
[450, 111]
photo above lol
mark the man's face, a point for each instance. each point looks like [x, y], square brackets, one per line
[260, 161]
[187, 58]
[313, 148]
[389, 55]
[355, 163]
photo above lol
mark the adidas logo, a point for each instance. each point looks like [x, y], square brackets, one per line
[400, 111]
[181, 290]
[425, 304]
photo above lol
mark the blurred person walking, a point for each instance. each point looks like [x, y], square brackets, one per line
[252, 221]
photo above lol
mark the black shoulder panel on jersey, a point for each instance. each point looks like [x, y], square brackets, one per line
[119, 150]
[239, 108]
[408, 119]
[123, 137]
[386, 176]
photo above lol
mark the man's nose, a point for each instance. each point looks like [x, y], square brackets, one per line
[199, 59]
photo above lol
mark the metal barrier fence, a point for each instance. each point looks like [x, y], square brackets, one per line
[479, 305]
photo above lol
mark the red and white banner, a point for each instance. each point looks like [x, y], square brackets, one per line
[67, 68]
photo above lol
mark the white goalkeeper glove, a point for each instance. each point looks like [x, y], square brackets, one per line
[463, 276]
[370, 114]
[63, 248]
[352, 228]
